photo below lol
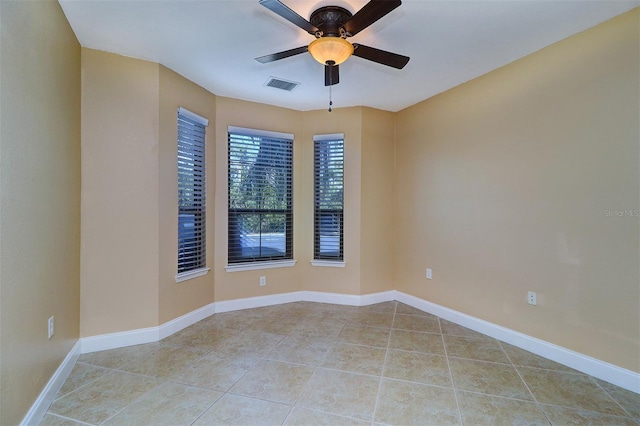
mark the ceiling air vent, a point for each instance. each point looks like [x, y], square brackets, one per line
[279, 83]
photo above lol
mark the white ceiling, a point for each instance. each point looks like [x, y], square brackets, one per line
[214, 43]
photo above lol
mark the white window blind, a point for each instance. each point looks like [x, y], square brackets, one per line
[260, 196]
[191, 191]
[328, 197]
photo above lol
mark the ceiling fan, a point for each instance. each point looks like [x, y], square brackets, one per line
[332, 25]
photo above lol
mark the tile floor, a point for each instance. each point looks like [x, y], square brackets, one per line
[318, 364]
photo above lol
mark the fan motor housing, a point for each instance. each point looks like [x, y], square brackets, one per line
[330, 19]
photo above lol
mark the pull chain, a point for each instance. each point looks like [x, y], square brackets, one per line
[330, 64]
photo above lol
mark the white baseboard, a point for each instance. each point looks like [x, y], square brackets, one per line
[594, 367]
[103, 342]
[140, 336]
[303, 296]
[39, 408]
[257, 302]
[347, 299]
[177, 324]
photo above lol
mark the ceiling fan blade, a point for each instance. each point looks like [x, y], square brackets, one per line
[281, 55]
[331, 75]
[380, 56]
[281, 9]
[369, 14]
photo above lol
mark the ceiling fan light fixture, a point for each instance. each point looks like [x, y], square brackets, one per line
[334, 49]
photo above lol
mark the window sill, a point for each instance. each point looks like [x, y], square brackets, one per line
[260, 265]
[184, 276]
[329, 263]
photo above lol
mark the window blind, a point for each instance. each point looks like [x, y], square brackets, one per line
[191, 193]
[260, 197]
[328, 197]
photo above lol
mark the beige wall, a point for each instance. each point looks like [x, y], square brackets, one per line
[234, 112]
[503, 186]
[120, 149]
[39, 199]
[372, 250]
[177, 299]
[129, 194]
[321, 278]
[377, 201]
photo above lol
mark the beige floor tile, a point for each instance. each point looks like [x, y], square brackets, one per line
[297, 311]
[53, 420]
[116, 358]
[452, 328]
[402, 403]
[356, 358]
[104, 397]
[317, 327]
[239, 320]
[569, 390]
[388, 307]
[260, 311]
[472, 348]
[235, 410]
[416, 323]
[405, 340]
[332, 312]
[80, 376]
[274, 381]
[164, 361]
[630, 401]
[371, 319]
[170, 404]
[200, 336]
[363, 335]
[214, 371]
[304, 417]
[326, 345]
[410, 310]
[248, 344]
[562, 416]
[488, 378]
[478, 409]
[418, 367]
[301, 350]
[527, 359]
[341, 393]
[275, 324]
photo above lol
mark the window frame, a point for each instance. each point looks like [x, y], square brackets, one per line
[318, 212]
[187, 140]
[240, 262]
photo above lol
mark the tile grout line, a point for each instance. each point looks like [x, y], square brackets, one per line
[315, 369]
[134, 401]
[261, 356]
[453, 384]
[56, 397]
[581, 410]
[384, 365]
[612, 397]
[207, 409]
[67, 418]
[526, 385]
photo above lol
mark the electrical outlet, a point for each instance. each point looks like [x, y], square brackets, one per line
[429, 273]
[532, 298]
[50, 326]
[263, 281]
